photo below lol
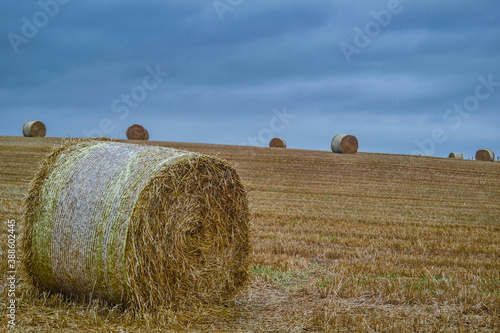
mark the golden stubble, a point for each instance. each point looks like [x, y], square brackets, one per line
[364, 242]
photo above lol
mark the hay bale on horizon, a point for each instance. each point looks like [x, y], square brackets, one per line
[34, 128]
[485, 155]
[138, 225]
[277, 143]
[137, 132]
[457, 156]
[345, 144]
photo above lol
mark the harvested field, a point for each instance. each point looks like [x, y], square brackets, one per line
[340, 242]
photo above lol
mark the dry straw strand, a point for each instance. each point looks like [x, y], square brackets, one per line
[277, 143]
[137, 132]
[345, 144]
[136, 224]
[485, 155]
[34, 128]
[458, 156]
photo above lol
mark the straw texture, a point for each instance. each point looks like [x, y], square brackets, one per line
[137, 132]
[277, 143]
[345, 144]
[485, 155]
[458, 156]
[34, 128]
[134, 224]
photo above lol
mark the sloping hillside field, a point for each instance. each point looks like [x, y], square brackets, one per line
[364, 242]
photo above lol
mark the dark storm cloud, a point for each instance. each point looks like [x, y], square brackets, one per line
[230, 69]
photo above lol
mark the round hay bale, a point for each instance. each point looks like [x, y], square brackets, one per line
[485, 155]
[137, 132]
[458, 156]
[140, 225]
[277, 143]
[34, 128]
[345, 144]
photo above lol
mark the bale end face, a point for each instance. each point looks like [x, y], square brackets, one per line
[486, 155]
[34, 128]
[137, 132]
[277, 143]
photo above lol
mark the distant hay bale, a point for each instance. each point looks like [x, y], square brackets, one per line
[485, 155]
[137, 132]
[34, 128]
[277, 143]
[345, 144]
[138, 225]
[458, 156]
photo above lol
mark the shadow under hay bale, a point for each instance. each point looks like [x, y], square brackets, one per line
[345, 144]
[277, 143]
[137, 132]
[34, 128]
[485, 155]
[138, 225]
[457, 156]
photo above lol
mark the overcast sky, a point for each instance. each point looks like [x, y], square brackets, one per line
[405, 76]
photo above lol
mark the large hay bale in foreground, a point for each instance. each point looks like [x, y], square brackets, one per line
[457, 156]
[137, 224]
[485, 155]
[137, 132]
[345, 144]
[34, 128]
[277, 143]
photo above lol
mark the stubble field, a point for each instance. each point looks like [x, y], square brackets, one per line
[365, 242]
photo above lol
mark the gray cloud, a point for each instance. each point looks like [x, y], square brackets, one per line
[226, 76]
